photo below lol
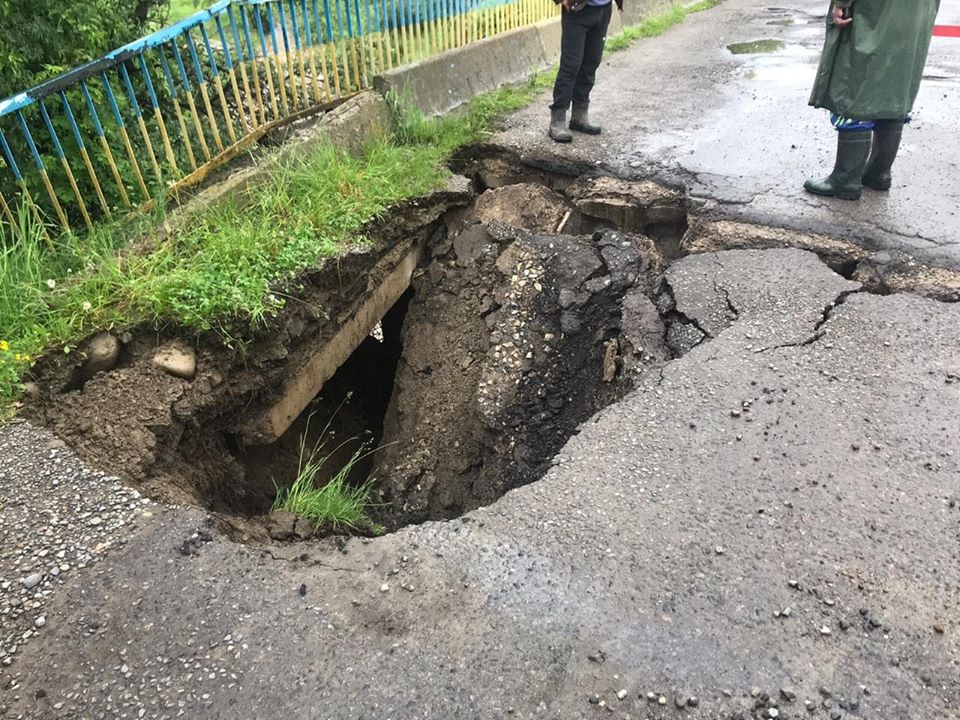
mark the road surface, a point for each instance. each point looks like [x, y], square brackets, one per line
[736, 130]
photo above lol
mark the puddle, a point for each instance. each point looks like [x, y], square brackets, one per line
[782, 23]
[757, 47]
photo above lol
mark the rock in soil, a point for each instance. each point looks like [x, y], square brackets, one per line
[102, 352]
[176, 359]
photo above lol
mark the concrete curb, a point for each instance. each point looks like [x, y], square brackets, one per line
[443, 82]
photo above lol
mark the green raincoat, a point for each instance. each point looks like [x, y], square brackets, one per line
[871, 69]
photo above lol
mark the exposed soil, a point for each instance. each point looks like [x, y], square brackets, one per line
[513, 338]
[540, 298]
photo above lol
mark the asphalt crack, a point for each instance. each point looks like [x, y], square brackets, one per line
[674, 315]
[818, 329]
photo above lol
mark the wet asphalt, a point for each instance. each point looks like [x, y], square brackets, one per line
[770, 522]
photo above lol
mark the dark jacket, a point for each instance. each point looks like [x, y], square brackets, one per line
[871, 69]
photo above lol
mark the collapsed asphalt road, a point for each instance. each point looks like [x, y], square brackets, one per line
[735, 129]
[770, 522]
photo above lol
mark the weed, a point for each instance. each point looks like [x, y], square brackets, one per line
[337, 504]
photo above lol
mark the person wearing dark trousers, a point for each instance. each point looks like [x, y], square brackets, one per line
[584, 29]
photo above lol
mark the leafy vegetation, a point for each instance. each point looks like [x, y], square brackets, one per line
[179, 9]
[234, 261]
[43, 38]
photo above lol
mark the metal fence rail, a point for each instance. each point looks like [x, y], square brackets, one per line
[159, 113]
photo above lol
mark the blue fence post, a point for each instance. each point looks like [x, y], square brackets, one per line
[41, 168]
[61, 156]
[24, 190]
[138, 114]
[188, 91]
[122, 129]
[84, 155]
[218, 84]
[105, 144]
[202, 84]
[281, 82]
[249, 121]
[175, 98]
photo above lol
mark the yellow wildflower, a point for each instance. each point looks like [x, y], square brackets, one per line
[4, 345]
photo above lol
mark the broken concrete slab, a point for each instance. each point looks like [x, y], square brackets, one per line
[718, 290]
[631, 205]
[704, 236]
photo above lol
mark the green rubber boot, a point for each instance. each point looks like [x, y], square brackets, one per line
[846, 180]
[886, 143]
[558, 127]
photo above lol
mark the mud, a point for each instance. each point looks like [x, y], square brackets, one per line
[542, 295]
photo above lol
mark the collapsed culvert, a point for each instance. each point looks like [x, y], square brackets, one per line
[502, 323]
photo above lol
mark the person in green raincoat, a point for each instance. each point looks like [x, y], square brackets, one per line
[868, 79]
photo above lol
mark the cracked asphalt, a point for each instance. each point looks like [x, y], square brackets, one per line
[768, 526]
[736, 131]
[770, 523]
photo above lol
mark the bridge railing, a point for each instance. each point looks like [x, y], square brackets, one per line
[158, 114]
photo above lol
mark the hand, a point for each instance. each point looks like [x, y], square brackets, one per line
[566, 3]
[838, 19]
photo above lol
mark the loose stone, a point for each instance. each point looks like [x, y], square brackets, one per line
[31, 581]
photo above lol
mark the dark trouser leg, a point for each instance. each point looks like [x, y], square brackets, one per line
[593, 41]
[575, 27]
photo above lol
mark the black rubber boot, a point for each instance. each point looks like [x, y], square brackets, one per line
[558, 127]
[580, 121]
[886, 143]
[853, 150]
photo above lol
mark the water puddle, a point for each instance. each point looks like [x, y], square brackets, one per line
[757, 47]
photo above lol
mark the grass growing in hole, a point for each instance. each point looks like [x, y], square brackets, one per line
[337, 504]
[656, 25]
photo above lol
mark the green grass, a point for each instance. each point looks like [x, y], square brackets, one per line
[657, 25]
[337, 504]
